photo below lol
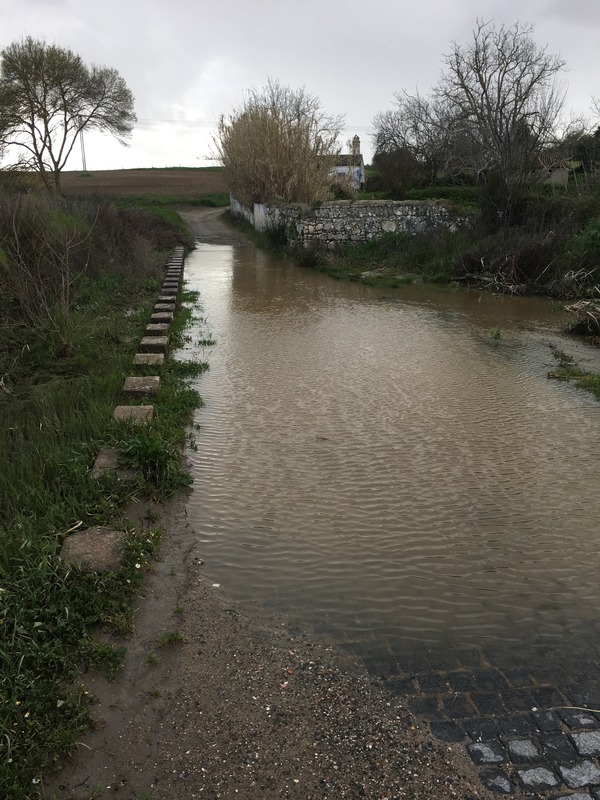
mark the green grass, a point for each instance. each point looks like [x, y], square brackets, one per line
[55, 414]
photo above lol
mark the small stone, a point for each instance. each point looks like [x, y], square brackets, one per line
[487, 752]
[522, 751]
[587, 742]
[148, 359]
[154, 344]
[537, 778]
[99, 549]
[497, 781]
[136, 415]
[141, 387]
[585, 773]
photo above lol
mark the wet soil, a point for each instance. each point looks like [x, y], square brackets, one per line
[217, 700]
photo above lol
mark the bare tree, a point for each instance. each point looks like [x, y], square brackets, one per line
[279, 144]
[419, 126]
[503, 90]
[48, 96]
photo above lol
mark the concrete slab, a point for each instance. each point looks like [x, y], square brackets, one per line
[154, 344]
[141, 386]
[162, 316]
[107, 460]
[157, 329]
[136, 415]
[148, 359]
[164, 307]
[99, 549]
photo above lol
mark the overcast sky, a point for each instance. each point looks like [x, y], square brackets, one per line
[187, 62]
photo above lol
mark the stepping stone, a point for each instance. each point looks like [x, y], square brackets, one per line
[141, 387]
[148, 359]
[99, 549]
[164, 307]
[107, 460]
[157, 329]
[162, 316]
[154, 344]
[136, 415]
[167, 297]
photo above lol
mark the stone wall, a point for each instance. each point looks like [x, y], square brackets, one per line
[355, 220]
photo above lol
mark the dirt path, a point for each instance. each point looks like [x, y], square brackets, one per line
[240, 705]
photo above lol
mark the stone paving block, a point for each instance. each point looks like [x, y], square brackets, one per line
[401, 686]
[154, 344]
[164, 307]
[448, 731]
[148, 359]
[481, 729]
[488, 703]
[522, 725]
[518, 700]
[584, 773]
[489, 680]
[458, 706]
[432, 683]
[545, 697]
[487, 752]
[557, 747]
[141, 387]
[518, 677]
[100, 549]
[587, 743]
[137, 415]
[575, 796]
[547, 721]
[578, 719]
[157, 329]
[162, 316]
[425, 707]
[497, 781]
[470, 657]
[583, 695]
[523, 751]
[461, 681]
[536, 779]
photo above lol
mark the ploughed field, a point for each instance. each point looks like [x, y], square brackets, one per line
[176, 182]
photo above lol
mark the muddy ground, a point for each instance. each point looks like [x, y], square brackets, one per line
[182, 183]
[238, 703]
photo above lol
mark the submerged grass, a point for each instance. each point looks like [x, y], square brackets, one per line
[56, 407]
[569, 371]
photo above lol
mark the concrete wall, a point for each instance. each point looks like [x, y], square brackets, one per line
[355, 220]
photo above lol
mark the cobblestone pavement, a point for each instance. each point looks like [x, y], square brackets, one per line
[527, 737]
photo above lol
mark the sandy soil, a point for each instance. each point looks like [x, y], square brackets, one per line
[244, 705]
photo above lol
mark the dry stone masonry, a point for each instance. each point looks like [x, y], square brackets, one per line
[340, 221]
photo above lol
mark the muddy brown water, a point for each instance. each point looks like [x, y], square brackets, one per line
[378, 464]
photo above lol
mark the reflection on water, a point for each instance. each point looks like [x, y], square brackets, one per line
[375, 463]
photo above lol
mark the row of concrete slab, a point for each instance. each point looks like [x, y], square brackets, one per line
[154, 346]
[101, 548]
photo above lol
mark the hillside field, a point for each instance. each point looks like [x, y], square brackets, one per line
[176, 182]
